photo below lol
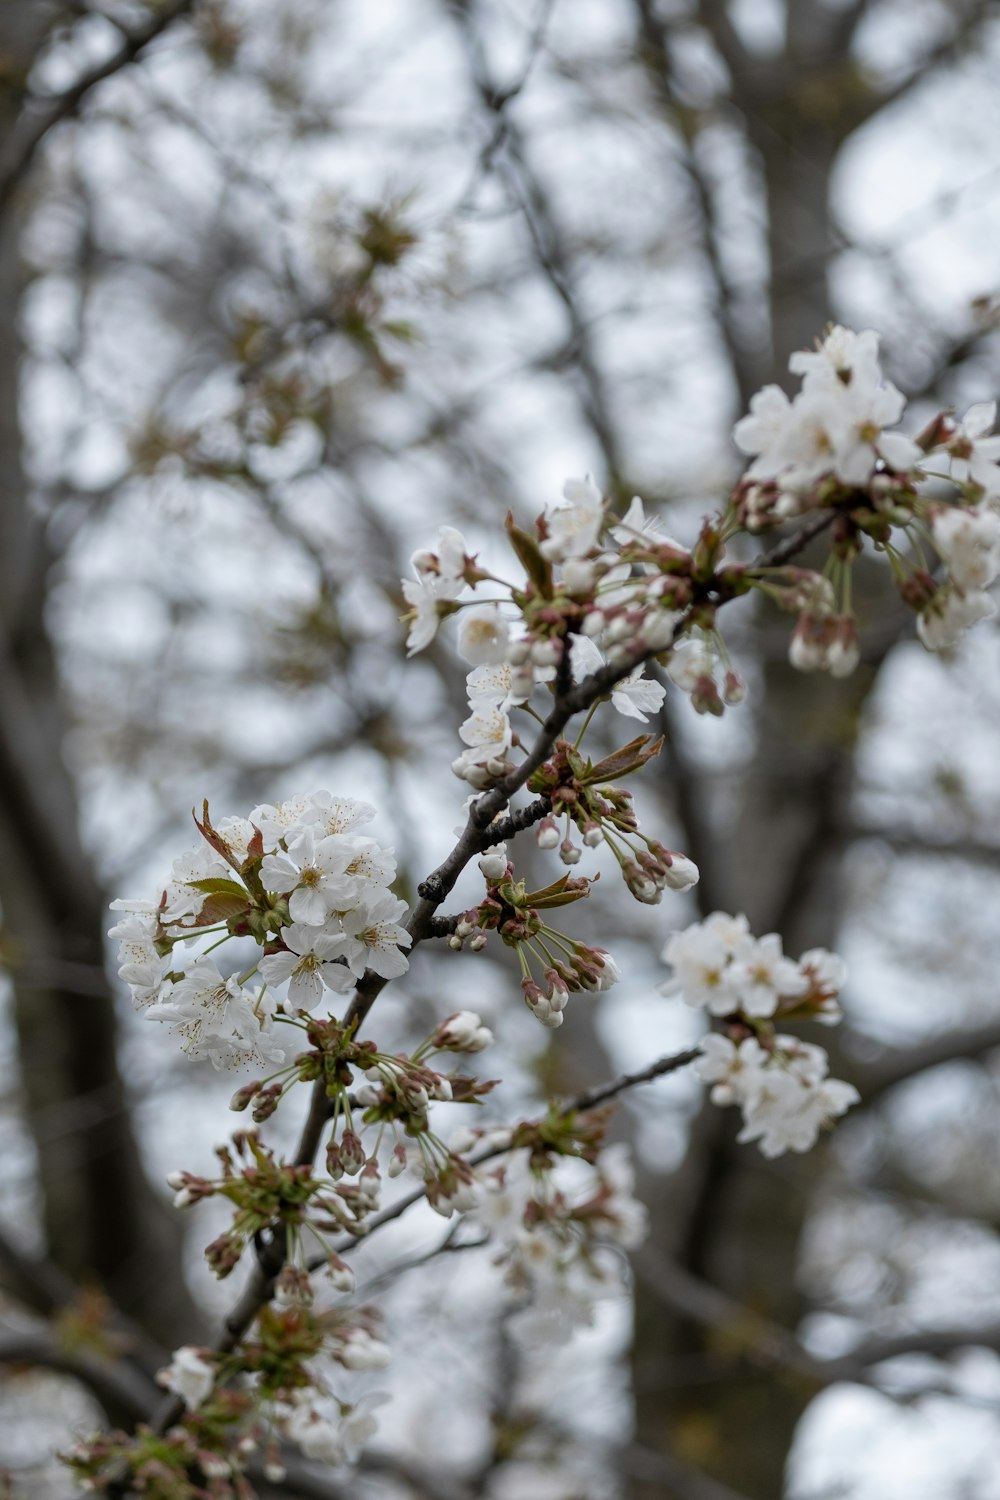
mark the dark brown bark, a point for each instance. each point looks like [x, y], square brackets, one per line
[102, 1219]
[728, 1215]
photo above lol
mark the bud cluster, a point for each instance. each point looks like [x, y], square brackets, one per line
[580, 792]
[564, 965]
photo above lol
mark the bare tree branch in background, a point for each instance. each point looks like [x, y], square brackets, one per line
[42, 113]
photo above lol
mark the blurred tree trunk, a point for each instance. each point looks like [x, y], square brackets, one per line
[730, 1216]
[102, 1219]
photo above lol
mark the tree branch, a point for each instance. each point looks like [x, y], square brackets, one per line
[656, 53]
[659, 1069]
[872, 1080]
[767, 1343]
[42, 113]
[122, 1391]
[551, 251]
[947, 50]
[478, 834]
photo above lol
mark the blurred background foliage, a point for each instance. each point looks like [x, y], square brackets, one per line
[284, 287]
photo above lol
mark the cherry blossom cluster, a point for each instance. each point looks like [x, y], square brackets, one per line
[555, 1203]
[563, 964]
[828, 448]
[582, 798]
[555, 1239]
[602, 589]
[298, 880]
[605, 609]
[287, 1369]
[780, 1083]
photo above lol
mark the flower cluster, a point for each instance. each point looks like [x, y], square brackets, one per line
[603, 594]
[289, 1359]
[287, 1198]
[564, 965]
[780, 1083]
[307, 898]
[554, 1222]
[297, 879]
[828, 449]
[834, 426]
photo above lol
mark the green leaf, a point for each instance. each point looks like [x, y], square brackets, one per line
[222, 906]
[563, 891]
[630, 757]
[217, 886]
[538, 569]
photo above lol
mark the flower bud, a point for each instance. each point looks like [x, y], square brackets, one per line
[352, 1153]
[493, 862]
[705, 697]
[579, 575]
[734, 690]
[339, 1273]
[620, 630]
[546, 653]
[547, 834]
[241, 1099]
[462, 1032]
[844, 651]
[681, 873]
[569, 853]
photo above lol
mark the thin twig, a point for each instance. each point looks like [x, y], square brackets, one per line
[659, 1069]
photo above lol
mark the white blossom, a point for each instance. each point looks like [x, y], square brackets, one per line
[943, 622]
[483, 635]
[317, 1434]
[731, 1067]
[140, 965]
[634, 696]
[373, 937]
[969, 542]
[574, 527]
[761, 975]
[843, 358]
[217, 1018]
[701, 956]
[307, 965]
[974, 455]
[834, 425]
[493, 862]
[189, 1375]
[787, 1114]
[315, 872]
